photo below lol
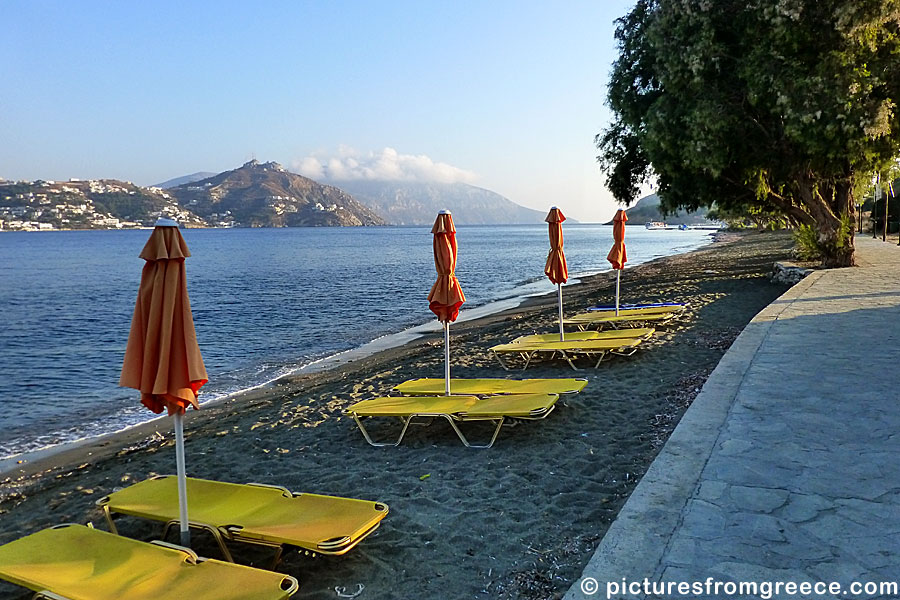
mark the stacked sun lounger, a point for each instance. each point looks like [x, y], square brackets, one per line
[569, 350]
[492, 400]
[252, 513]
[74, 562]
[628, 316]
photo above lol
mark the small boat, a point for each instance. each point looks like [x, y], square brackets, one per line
[655, 225]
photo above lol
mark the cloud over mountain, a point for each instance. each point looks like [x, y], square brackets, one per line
[383, 165]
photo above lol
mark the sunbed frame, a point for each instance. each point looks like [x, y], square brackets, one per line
[235, 532]
[627, 317]
[454, 415]
[490, 386]
[569, 351]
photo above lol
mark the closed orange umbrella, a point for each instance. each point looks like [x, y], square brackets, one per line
[162, 358]
[617, 256]
[446, 296]
[556, 268]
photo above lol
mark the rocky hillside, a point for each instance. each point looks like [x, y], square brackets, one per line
[648, 209]
[93, 204]
[265, 195]
[417, 203]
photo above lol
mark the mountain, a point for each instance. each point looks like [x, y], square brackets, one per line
[92, 204]
[265, 195]
[648, 209]
[417, 203]
[182, 180]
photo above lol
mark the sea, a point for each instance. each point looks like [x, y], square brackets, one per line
[266, 303]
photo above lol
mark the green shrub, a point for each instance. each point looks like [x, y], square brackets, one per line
[806, 240]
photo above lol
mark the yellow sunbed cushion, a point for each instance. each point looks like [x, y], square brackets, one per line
[512, 405]
[583, 346]
[87, 564]
[585, 335]
[642, 310]
[261, 513]
[425, 387]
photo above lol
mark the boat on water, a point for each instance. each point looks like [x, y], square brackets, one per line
[655, 225]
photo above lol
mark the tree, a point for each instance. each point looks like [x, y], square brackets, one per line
[756, 103]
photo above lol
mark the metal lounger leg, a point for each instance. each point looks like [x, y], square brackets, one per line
[528, 356]
[47, 595]
[463, 439]
[382, 444]
[628, 352]
[502, 362]
[109, 520]
[600, 360]
[569, 360]
[216, 533]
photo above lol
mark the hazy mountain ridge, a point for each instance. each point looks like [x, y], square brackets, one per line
[648, 209]
[417, 203]
[198, 176]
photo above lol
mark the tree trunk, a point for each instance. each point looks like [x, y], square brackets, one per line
[826, 204]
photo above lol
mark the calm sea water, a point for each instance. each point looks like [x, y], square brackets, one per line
[266, 302]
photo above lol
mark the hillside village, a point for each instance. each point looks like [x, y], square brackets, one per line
[92, 204]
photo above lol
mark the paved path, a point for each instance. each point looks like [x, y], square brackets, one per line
[787, 465]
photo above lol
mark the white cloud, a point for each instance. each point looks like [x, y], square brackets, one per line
[384, 165]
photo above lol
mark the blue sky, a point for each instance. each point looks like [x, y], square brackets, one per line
[506, 95]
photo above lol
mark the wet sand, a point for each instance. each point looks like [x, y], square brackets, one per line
[517, 521]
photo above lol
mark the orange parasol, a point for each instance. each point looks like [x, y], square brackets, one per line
[617, 256]
[446, 296]
[556, 268]
[162, 358]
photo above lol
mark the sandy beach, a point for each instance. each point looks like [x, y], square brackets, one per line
[519, 520]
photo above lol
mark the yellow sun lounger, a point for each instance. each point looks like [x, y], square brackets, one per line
[74, 562]
[455, 409]
[488, 387]
[578, 336]
[629, 318]
[252, 513]
[568, 350]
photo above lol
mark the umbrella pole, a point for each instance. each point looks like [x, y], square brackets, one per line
[562, 335]
[447, 358]
[182, 480]
[618, 277]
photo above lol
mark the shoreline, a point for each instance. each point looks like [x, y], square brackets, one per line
[70, 454]
[344, 359]
[517, 521]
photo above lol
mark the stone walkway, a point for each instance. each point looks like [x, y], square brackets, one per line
[787, 465]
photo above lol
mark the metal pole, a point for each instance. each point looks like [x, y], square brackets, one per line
[562, 335]
[182, 480]
[618, 277]
[884, 230]
[872, 214]
[859, 216]
[447, 358]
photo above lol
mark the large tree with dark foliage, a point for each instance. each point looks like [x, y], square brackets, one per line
[779, 104]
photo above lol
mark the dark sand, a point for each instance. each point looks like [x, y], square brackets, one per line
[517, 521]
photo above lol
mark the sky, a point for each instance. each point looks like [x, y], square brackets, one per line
[506, 95]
